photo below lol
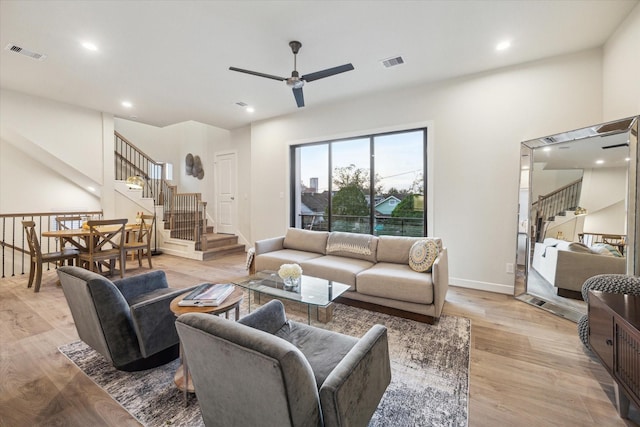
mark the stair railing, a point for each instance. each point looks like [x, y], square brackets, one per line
[131, 161]
[548, 206]
[14, 248]
[183, 213]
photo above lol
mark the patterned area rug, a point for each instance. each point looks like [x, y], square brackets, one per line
[429, 369]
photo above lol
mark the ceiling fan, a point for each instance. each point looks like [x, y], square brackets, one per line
[296, 81]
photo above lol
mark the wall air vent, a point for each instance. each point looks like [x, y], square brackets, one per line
[33, 55]
[392, 62]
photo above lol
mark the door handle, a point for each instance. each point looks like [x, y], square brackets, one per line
[233, 198]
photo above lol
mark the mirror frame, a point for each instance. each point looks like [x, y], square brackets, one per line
[627, 125]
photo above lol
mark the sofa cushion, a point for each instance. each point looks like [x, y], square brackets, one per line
[422, 255]
[605, 249]
[396, 281]
[339, 269]
[352, 245]
[396, 248]
[305, 240]
[562, 245]
[273, 260]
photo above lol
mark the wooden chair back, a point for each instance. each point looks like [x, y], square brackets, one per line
[106, 242]
[37, 258]
[142, 240]
[69, 222]
[32, 239]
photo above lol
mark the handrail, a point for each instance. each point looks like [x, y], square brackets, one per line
[555, 203]
[14, 251]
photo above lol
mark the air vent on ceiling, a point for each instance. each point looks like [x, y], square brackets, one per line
[242, 104]
[392, 62]
[33, 55]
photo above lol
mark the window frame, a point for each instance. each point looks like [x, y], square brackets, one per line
[294, 161]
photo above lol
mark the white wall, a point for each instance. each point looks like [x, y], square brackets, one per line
[478, 124]
[621, 70]
[50, 147]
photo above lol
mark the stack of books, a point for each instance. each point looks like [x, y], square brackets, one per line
[207, 295]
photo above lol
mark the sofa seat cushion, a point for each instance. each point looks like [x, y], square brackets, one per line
[323, 349]
[273, 260]
[396, 281]
[339, 269]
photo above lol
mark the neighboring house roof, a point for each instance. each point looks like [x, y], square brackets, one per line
[315, 202]
[386, 206]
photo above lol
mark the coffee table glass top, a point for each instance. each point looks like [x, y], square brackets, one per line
[312, 290]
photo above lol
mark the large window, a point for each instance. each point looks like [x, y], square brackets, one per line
[372, 184]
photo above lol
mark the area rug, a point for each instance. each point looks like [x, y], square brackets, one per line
[429, 369]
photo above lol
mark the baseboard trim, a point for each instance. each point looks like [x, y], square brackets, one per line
[481, 286]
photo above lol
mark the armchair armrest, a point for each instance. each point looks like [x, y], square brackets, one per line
[134, 286]
[352, 391]
[154, 322]
[268, 318]
[269, 245]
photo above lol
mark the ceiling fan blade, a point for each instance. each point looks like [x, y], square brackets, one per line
[327, 73]
[297, 93]
[255, 73]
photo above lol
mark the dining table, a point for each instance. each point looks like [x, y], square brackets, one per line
[79, 237]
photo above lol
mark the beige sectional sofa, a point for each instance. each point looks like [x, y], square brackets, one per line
[376, 268]
[566, 265]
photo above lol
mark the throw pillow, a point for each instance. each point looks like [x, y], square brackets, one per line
[606, 249]
[422, 255]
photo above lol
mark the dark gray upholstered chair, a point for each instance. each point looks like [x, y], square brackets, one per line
[128, 321]
[610, 283]
[270, 371]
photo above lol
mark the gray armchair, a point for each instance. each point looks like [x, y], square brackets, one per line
[128, 321]
[267, 370]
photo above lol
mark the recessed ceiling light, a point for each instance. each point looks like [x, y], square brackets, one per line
[127, 104]
[503, 45]
[627, 159]
[250, 109]
[546, 149]
[93, 190]
[89, 46]
[599, 162]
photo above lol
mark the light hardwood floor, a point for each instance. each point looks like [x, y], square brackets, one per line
[528, 367]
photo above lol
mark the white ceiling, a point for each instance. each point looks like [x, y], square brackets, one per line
[171, 58]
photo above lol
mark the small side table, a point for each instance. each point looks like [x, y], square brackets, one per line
[181, 377]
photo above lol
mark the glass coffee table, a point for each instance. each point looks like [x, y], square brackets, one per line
[314, 292]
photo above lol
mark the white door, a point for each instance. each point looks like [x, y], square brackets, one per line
[225, 184]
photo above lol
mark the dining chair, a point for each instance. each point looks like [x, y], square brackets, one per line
[142, 239]
[106, 243]
[69, 222]
[38, 259]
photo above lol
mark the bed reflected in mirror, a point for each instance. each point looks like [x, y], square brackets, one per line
[577, 213]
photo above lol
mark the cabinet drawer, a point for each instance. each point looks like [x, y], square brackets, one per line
[601, 331]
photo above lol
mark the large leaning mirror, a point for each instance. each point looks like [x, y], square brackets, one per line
[578, 213]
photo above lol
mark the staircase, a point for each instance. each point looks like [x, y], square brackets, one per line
[556, 203]
[182, 221]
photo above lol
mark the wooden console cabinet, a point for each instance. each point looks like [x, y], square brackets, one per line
[614, 336]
